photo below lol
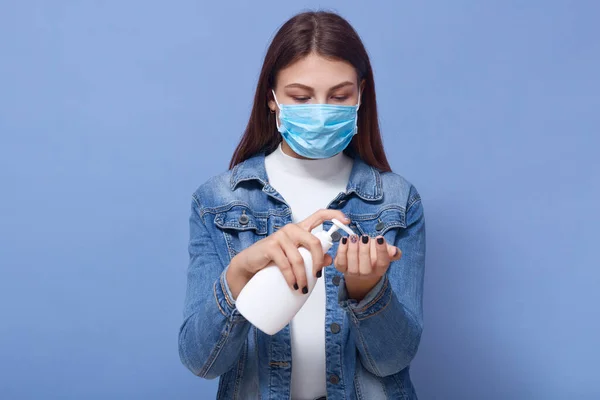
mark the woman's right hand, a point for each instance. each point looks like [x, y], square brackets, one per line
[281, 248]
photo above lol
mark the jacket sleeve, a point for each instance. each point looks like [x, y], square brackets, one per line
[387, 323]
[213, 331]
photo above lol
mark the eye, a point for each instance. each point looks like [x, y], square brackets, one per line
[340, 98]
[300, 99]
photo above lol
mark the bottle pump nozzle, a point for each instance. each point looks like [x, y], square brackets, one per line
[338, 225]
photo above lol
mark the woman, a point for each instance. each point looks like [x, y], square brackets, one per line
[312, 151]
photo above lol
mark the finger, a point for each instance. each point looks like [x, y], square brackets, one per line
[391, 250]
[364, 256]
[394, 252]
[312, 244]
[398, 255]
[327, 260]
[341, 258]
[373, 251]
[381, 249]
[352, 255]
[280, 259]
[309, 241]
[320, 216]
[295, 258]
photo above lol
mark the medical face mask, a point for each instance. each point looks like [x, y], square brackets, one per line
[317, 130]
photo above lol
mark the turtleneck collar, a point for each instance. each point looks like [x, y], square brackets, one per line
[314, 168]
[364, 180]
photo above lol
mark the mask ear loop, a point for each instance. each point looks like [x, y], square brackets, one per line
[278, 106]
[357, 107]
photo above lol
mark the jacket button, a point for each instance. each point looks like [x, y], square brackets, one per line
[379, 226]
[334, 379]
[335, 328]
[243, 219]
[336, 280]
[336, 236]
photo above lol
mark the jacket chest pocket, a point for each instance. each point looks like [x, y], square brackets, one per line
[241, 227]
[388, 222]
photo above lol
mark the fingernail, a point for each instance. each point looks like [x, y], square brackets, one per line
[365, 239]
[354, 238]
[380, 240]
[295, 286]
[304, 290]
[344, 240]
[346, 219]
[319, 273]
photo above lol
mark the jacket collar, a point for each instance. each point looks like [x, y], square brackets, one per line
[365, 180]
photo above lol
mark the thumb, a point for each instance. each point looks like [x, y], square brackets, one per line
[394, 252]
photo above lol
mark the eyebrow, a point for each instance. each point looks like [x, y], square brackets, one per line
[301, 86]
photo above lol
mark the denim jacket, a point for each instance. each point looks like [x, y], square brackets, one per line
[369, 351]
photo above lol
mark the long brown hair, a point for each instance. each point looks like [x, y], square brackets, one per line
[331, 36]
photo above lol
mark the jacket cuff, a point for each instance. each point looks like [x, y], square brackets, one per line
[375, 300]
[225, 299]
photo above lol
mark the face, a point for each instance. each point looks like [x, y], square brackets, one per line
[316, 80]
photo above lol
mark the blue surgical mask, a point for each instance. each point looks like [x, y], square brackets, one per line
[317, 130]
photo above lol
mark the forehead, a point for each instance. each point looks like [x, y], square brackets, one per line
[317, 71]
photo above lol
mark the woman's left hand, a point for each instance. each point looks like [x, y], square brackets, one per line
[364, 260]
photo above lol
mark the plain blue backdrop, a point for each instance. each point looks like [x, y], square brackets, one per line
[113, 112]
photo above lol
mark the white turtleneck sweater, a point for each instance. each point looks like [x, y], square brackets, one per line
[308, 185]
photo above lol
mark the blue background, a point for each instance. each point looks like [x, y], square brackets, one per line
[113, 112]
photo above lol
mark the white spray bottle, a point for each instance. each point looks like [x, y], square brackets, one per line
[268, 302]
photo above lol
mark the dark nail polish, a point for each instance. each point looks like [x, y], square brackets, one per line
[365, 239]
[344, 240]
[295, 286]
[319, 273]
[380, 240]
[354, 238]
[304, 290]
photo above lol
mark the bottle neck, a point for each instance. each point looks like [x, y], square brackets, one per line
[325, 239]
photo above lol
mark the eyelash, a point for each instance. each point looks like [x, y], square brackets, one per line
[304, 99]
